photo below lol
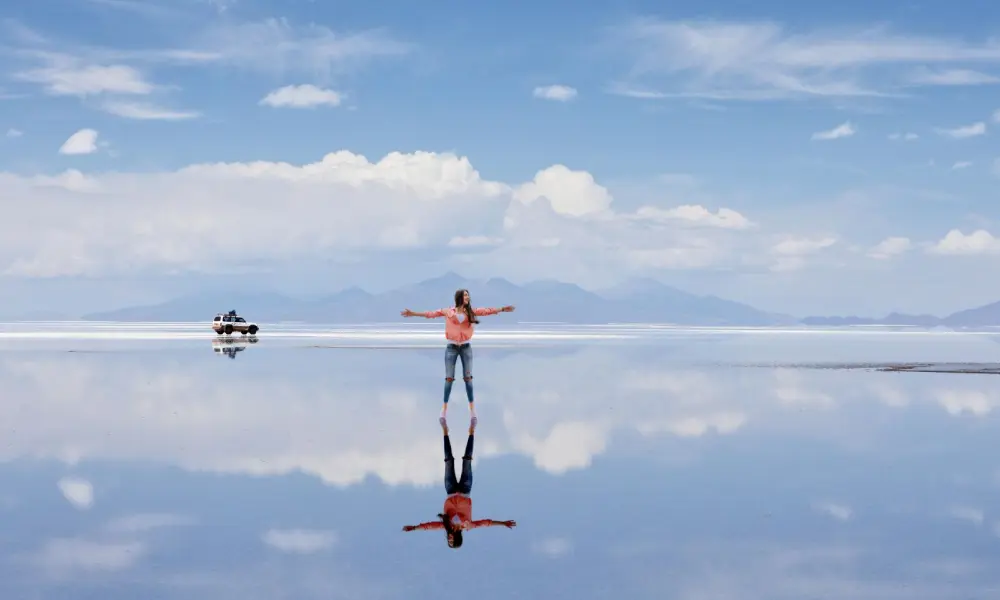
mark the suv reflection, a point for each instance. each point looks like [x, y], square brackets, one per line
[231, 346]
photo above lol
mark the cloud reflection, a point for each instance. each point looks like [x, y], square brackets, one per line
[346, 415]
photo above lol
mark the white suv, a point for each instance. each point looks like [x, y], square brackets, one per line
[229, 322]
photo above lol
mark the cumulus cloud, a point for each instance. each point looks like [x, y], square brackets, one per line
[78, 492]
[956, 243]
[301, 96]
[966, 131]
[560, 93]
[974, 402]
[843, 130]
[890, 247]
[694, 214]
[299, 541]
[764, 60]
[569, 192]
[81, 142]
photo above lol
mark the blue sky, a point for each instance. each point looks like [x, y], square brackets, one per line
[846, 144]
[299, 476]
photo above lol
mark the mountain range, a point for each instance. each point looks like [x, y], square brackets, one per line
[636, 301]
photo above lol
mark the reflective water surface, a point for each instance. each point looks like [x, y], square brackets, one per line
[655, 465]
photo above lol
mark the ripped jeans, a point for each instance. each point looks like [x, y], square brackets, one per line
[451, 355]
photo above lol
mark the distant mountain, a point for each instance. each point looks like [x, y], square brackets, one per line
[637, 301]
[983, 316]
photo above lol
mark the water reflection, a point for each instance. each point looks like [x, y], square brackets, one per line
[456, 517]
[230, 346]
[136, 474]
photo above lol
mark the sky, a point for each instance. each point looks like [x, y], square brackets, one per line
[834, 160]
[129, 473]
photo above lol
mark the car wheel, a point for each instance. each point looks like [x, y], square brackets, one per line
[253, 330]
[229, 329]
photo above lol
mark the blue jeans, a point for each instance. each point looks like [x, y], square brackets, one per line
[452, 484]
[451, 355]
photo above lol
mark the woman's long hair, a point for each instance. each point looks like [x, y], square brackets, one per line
[459, 298]
[454, 533]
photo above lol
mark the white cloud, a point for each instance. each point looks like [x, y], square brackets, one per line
[553, 547]
[78, 492]
[299, 541]
[278, 46]
[725, 218]
[563, 221]
[762, 60]
[890, 396]
[83, 141]
[958, 402]
[147, 112]
[567, 446]
[68, 76]
[952, 77]
[143, 522]
[14, 133]
[469, 241]
[559, 93]
[965, 513]
[957, 243]
[790, 254]
[301, 96]
[890, 247]
[906, 137]
[840, 512]
[72, 554]
[570, 192]
[790, 390]
[840, 131]
[695, 426]
[967, 131]
[962, 164]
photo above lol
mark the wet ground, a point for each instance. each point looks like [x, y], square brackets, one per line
[160, 461]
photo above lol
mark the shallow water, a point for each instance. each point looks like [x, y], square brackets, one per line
[159, 461]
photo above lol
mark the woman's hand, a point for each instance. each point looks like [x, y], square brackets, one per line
[408, 313]
[508, 308]
[408, 528]
[510, 524]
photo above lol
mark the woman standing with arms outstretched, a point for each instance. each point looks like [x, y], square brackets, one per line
[459, 325]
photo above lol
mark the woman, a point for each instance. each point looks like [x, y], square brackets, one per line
[459, 325]
[457, 515]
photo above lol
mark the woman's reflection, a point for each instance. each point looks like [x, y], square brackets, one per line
[457, 515]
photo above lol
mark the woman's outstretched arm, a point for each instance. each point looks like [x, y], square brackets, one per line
[430, 314]
[427, 525]
[485, 312]
[492, 523]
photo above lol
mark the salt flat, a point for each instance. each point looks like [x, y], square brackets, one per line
[158, 460]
